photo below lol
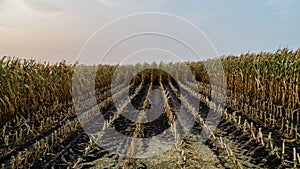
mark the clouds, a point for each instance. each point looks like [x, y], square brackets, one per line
[54, 28]
[134, 5]
[42, 6]
[11, 12]
[280, 2]
[109, 3]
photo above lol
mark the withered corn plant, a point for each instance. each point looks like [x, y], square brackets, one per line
[27, 86]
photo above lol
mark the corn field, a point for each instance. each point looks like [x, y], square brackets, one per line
[259, 120]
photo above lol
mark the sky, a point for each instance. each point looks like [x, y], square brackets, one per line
[54, 30]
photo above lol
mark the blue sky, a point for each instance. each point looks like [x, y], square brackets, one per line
[53, 30]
